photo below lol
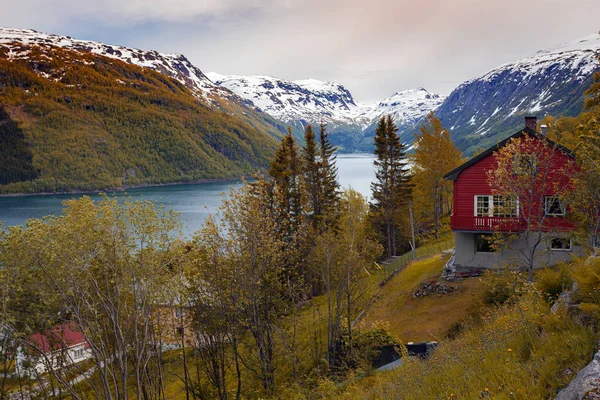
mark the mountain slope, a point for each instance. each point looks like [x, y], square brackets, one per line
[407, 108]
[173, 65]
[311, 101]
[79, 119]
[484, 110]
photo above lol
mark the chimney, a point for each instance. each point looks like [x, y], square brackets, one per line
[544, 129]
[531, 122]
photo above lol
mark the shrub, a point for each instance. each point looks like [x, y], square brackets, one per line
[551, 282]
[366, 347]
[503, 285]
[587, 276]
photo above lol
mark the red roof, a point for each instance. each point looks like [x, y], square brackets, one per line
[59, 337]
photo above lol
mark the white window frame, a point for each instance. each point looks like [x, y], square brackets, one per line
[477, 196]
[546, 209]
[491, 206]
[559, 238]
[79, 353]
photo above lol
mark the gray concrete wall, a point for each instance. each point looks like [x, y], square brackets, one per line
[466, 257]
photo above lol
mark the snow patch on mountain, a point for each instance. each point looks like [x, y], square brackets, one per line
[314, 101]
[551, 81]
[406, 107]
[174, 65]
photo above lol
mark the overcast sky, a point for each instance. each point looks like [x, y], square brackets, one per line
[373, 47]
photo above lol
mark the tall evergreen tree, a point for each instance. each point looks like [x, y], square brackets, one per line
[311, 174]
[286, 171]
[391, 190]
[320, 177]
[329, 178]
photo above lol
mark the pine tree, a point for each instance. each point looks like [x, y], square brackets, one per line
[391, 190]
[311, 174]
[399, 180]
[286, 171]
[320, 177]
[329, 172]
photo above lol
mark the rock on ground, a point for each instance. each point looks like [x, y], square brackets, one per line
[586, 385]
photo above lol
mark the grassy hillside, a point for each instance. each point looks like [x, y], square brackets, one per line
[73, 120]
[413, 319]
[512, 346]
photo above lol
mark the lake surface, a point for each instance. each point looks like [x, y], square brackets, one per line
[194, 201]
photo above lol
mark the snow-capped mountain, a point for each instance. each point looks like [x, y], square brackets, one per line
[479, 112]
[311, 101]
[305, 101]
[482, 111]
[174, 65]
[406, 107]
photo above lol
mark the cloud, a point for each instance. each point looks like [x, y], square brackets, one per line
[134, 11]
[374, 47]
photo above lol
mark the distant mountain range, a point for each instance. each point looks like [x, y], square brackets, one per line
[78, 114]
[482, 111]
[478, 113]
[311, 101]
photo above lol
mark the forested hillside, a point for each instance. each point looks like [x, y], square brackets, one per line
[74, 120]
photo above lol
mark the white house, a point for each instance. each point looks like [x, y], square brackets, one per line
[59, 347]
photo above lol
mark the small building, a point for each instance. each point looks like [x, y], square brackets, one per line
[174, 326]
[61, 346]
[478, 213]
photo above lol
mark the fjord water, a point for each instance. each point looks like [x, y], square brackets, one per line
[194, 201]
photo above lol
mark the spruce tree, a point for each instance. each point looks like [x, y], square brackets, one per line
[391, 190]
[329, 179]
[312, 174]
[286, 169]
[320, 177]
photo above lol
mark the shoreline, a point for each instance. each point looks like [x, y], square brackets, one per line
[127, 187]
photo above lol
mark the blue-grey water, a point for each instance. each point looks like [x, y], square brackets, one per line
[194, 201]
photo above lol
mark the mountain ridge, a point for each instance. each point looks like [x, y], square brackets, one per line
[479, 112]
[311, 101]
[483, 110]
[74, 119]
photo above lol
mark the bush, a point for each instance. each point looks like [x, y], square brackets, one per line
[587, 276]
[366, 347]
[503, 285]
[551, 282]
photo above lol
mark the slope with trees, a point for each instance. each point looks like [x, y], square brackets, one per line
[76, 120]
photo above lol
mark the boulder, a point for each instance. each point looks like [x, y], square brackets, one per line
[586, 384]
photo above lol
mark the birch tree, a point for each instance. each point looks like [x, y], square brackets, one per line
[526, 172]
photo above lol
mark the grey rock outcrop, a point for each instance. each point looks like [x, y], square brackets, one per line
[586, 384]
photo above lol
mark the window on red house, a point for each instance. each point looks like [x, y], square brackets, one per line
[554, 206]
[563, 244]
[484, 243]
[505, 206]
[496, 206]
[482, 206]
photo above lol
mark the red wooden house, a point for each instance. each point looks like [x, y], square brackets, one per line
[479, 211]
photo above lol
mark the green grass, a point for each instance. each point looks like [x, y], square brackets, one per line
[518, 350]
[425, 318]
[445, 242]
